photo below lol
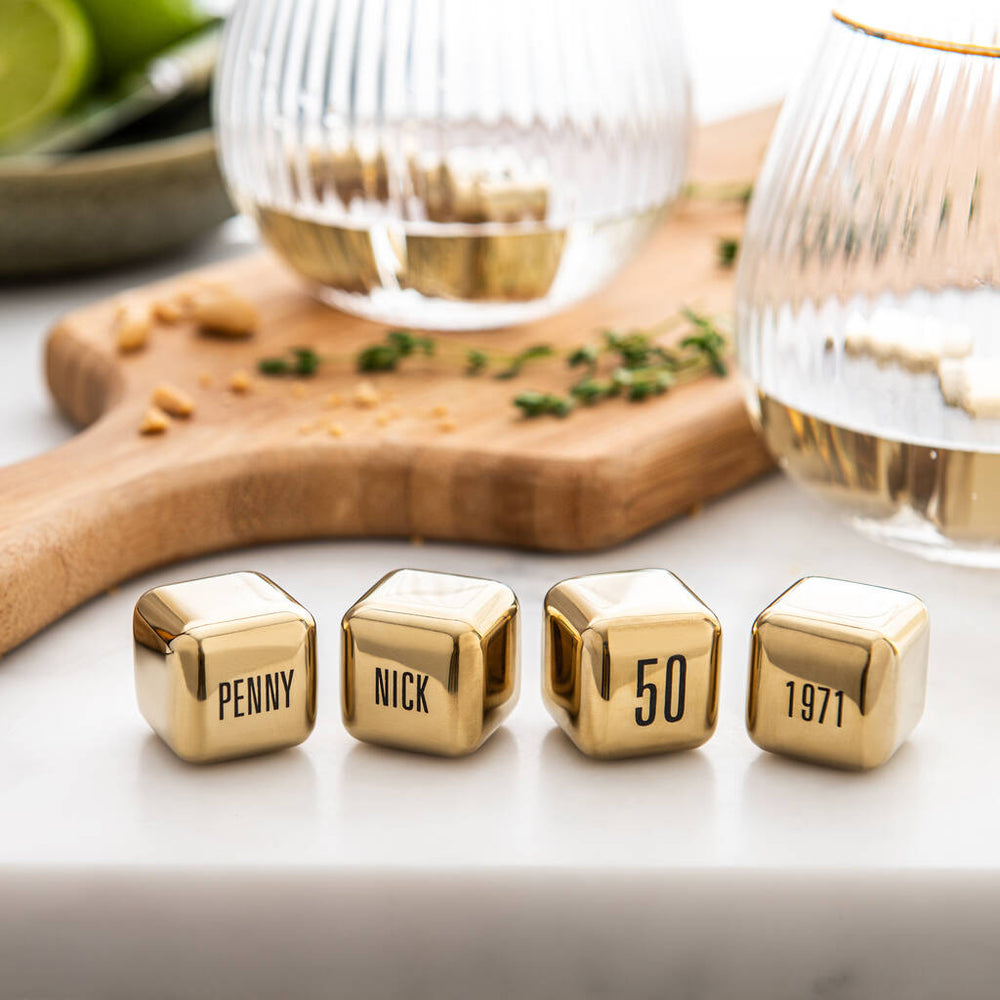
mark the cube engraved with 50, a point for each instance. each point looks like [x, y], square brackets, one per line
[837, 672]
[430, 662]
[631, 663]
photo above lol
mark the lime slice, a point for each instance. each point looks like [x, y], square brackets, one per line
[47, 60]
[130, 32]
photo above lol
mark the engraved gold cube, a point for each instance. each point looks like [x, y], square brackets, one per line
[631, 663]
[225, 666]
[430, 662]
[837, 672]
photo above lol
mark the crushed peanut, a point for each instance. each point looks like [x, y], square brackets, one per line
[131, 327]
[447, 426]
[335, 430]
[172, 400]
[239, 381]
[366, 396]
[219, 310]
[154, 421]
[168, 311]
[440, 410]
[334, 400]
[205, 380]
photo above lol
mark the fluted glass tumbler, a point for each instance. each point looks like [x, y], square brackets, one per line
[868, 303]
[453, 164]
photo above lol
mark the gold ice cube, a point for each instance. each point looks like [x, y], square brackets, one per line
[837, 672]
[631, 663]
[225, 666]
[430, 662]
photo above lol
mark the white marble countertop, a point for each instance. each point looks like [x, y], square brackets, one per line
[525, 869]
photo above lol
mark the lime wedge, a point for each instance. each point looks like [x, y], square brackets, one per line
[47, 60]
[129, 32]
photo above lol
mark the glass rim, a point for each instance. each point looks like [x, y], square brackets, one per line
[963, 48]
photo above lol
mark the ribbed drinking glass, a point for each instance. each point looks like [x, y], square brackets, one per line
[868, 312]
[453, 164]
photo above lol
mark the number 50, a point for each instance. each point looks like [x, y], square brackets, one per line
[673, 703]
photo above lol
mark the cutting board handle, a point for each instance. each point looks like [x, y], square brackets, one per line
[70, 526]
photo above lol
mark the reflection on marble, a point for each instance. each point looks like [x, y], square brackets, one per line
[229, 812]
[383, 795]
[630, 805]
[864, 818]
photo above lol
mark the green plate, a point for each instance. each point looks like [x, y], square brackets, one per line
[155, 188]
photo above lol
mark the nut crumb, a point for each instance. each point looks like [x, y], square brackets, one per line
[334, 400]
[447, 426]
[440, 410]
[168, 311]
[205, 380]
[155, 421]
[335, 430]
[218, 310]
[366, 396]
[239, 381]
[131, 327]
[172, 400]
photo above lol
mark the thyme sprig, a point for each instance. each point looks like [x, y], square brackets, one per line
[727, 250]
[635, 366]
[298, 361]
[633, 363]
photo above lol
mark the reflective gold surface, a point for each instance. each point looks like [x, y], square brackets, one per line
[430, 662]
[950, 491]
[500, 263]
[837, 672]
[225, 666]
[482, 238]
[631, 663]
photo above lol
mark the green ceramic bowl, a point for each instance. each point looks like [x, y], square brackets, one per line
[155, 189]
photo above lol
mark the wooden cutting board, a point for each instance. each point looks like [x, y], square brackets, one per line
[263, 467]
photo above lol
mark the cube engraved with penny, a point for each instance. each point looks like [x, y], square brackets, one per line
[225, 666]
[837, 672]
[631, 663]
[430, 662]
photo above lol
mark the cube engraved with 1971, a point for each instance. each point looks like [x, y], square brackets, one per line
[837, 672]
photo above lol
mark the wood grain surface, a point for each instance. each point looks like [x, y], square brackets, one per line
[263, 466]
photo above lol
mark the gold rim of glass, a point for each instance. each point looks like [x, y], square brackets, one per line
[963, 48]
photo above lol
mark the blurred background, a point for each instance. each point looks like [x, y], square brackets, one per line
[739, 57]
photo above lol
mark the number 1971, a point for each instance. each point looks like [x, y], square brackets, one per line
[813, 701]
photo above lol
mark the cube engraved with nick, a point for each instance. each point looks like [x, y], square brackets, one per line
[631, 663]
[430, 662]
[838, 672]
[225, 666]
